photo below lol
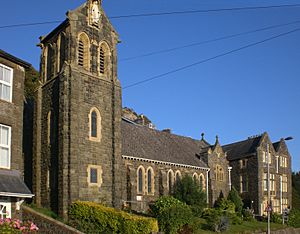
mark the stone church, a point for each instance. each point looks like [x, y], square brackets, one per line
[83, 149]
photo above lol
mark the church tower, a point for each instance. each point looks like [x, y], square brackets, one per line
[77, 145]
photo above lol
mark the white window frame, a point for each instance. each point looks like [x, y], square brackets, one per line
[8, 209]
[7, 146]
[8, 84]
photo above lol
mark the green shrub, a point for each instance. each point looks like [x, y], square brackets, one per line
[90, 217]
[294, 218]
[236, 199]
[224, 204]
[247, 215]
[189, 192]
[276, 218]
[172, 214]
[234, 218]
[217, 223]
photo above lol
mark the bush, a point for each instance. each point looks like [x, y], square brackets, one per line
[187, 191]
[247, 215]
[172, 214]
[90, 217]
[236, 199]
[294, 218]
[276, 218]
[217, 223]
[234, 218]
[225, 205]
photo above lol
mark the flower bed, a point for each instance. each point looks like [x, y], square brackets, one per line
[17, 226]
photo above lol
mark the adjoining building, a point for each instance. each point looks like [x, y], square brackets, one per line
[84, 150]
[13, 190]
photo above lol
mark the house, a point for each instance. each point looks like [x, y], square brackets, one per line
[13, 190]
[249, 160]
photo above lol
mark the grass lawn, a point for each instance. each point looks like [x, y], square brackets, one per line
[245, 227]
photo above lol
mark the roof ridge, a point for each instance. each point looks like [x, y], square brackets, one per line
[248, 139]
[159, 131]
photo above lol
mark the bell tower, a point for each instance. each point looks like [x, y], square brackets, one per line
[78, 113]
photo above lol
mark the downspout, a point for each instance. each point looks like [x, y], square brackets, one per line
[281, 194]
[207, 201]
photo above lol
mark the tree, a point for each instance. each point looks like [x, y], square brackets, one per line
[236, 199]
[31, 82]
[186, 190]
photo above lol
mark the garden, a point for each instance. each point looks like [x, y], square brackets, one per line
[183, 212]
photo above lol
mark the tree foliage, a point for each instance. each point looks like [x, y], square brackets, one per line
[172, 214]
[296, 190]
[236, 199]
[187, 191]
[31, 82]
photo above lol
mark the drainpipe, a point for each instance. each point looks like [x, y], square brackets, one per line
[207, 201]
[229, 177]
[281, 194]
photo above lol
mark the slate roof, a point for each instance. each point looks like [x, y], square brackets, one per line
[14, 59]
[241, 149]
[143, 142]
[11, 184]
[276, 145]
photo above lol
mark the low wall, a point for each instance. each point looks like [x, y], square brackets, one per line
[47, 224]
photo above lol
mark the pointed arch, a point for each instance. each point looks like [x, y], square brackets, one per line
[95, 125]
[150, 180]
[202, 182]
[195, 177]
[83, 51]
[170, 180]
[140, 177]
[104, 59]
[177, 176]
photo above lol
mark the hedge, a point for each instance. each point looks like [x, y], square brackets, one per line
[91, 217]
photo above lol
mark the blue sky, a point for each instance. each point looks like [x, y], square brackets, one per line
[236, 96]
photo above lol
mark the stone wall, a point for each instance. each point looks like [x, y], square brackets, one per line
[11, 114]
[47, 224]
[140, 201]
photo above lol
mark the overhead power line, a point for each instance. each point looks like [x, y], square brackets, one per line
[207, 41]
[209, 59]
[163, 13]
[205, 11]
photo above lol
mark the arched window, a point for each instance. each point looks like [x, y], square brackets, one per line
[195, 177]
[202, 182]
[104, 58]
[140, 180]
[219, 173]
[177, 176]
[170, 181]
[95, 125]
[84, 51]
[150, 180]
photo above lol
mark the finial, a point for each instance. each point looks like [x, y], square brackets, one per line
[217, 139]
[202, 136]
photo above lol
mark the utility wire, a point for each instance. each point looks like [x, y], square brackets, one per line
[205, 11]
[207, 41]
[162, 14]
[209, 59]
